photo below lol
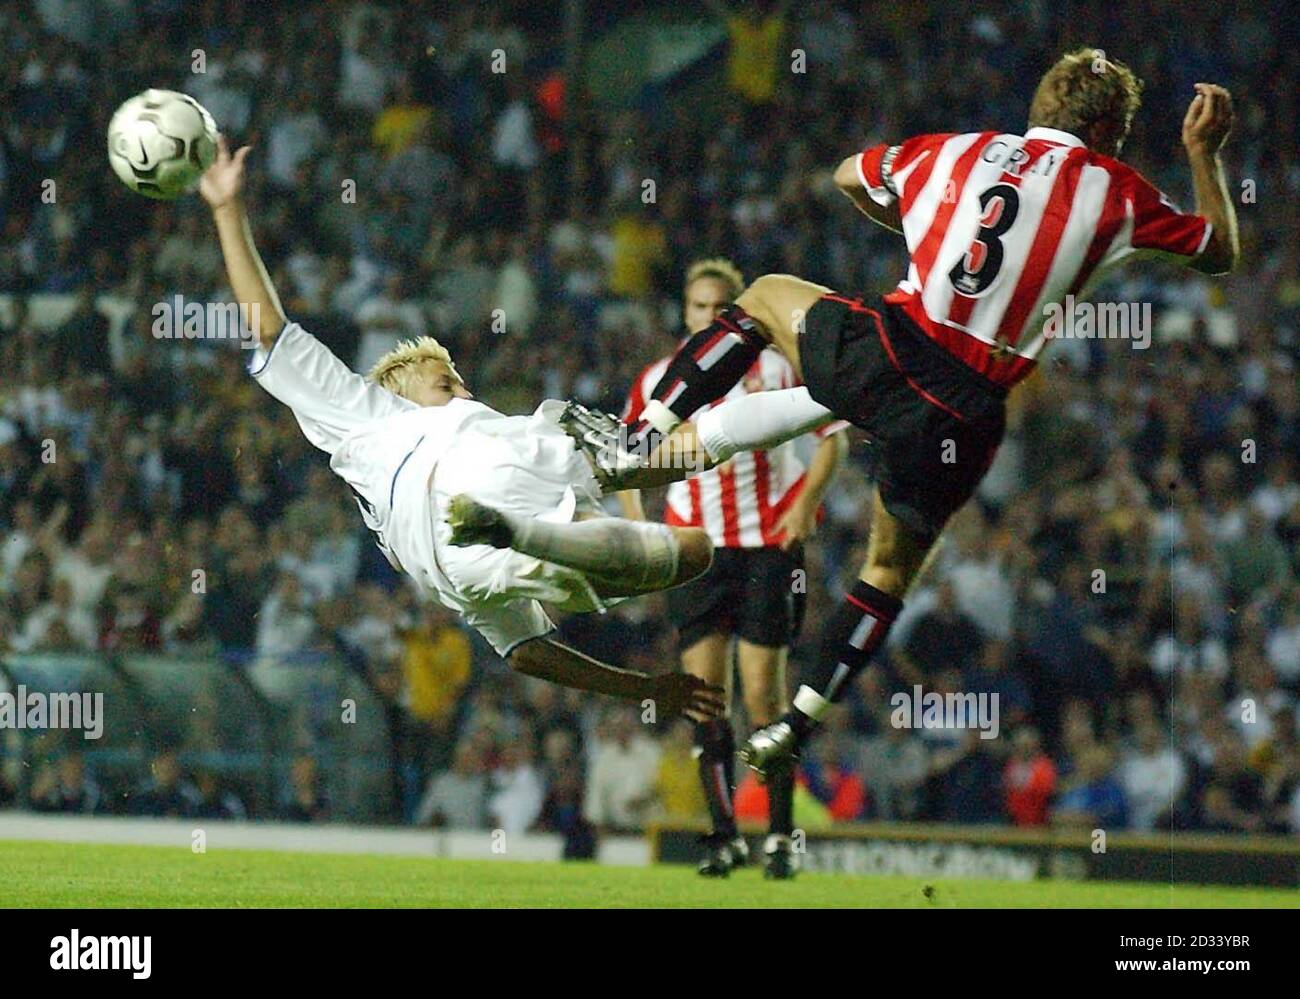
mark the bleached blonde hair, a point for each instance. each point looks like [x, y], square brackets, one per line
[395, 370]
[720, 269]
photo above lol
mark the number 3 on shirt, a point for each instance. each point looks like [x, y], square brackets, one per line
[979, 265]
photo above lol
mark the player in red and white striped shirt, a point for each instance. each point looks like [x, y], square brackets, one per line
[1000, 228]
[757, 508]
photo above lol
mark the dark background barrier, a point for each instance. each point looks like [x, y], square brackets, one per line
[1021, 855]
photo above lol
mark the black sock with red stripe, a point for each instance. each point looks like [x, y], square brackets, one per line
[780, 800]
[715, 746]
[851, 637]
[703, 370]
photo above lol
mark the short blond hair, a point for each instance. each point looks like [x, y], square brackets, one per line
[720, 269]
[1085, 88]
[395, 369]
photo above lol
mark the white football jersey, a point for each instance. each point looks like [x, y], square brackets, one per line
[404, 462]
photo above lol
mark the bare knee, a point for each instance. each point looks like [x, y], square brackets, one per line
[769, 299]
[762, 671]
[708, 658]
[759, 299]
[763, 706]
[779, 302]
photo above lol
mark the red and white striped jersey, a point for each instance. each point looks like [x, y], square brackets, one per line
[740, 502]
[1000, 227]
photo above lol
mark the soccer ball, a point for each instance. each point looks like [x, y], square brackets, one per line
[160, 142]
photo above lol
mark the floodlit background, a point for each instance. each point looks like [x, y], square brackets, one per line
[616, 143]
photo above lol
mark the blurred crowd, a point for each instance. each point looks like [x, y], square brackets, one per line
[1126, 582]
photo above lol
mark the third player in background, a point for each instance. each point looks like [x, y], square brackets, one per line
[758, 509]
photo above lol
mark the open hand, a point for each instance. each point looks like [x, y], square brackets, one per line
[222, 182]
[1209, 119]
[681, 693]
[797, 524]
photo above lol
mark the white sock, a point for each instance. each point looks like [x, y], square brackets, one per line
[759, 421]
[660, 416]
[811, 703]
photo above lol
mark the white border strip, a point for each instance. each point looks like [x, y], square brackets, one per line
[625, 851]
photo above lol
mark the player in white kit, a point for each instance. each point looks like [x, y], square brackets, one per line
[437, 474]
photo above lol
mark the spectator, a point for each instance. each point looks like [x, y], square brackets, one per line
[215, 801]
[620, 784]
[562, 809]
[58, 625]
[436, 663]
[1153, 776]
[285, 625]
[1029, 779]
[304, 798]
[967, 777]
[518, 791]
[65, 787]
[1092, 797]
[677, 783]
[754, 48]
[894, 766]
[457, 798]
[168, 793]
[828, 774]
[941, 636]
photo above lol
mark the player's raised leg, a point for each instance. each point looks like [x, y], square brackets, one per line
[621, 557]
[709, 363]
[755, 422]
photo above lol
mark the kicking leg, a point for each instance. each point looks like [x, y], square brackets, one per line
[623, 557]
[755, 422]
[769, 311]
[896, 554]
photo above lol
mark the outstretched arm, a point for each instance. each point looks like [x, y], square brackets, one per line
[222, 188]
[1206, 128]
[329, 399]
[672, 693]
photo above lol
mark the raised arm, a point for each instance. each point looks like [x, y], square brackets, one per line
[222, 188]
[1206, 128]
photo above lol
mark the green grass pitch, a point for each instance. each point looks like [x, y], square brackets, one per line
[68, 875]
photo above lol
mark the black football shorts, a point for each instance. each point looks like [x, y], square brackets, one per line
[748, 592]
[936, 422]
